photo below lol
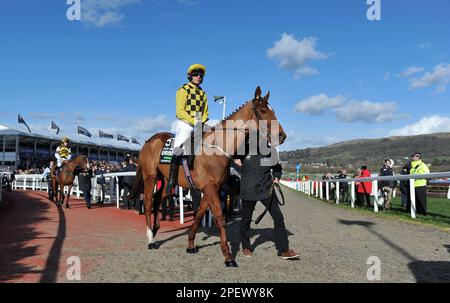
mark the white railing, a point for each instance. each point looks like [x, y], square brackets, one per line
[315, 187]
[34, 182]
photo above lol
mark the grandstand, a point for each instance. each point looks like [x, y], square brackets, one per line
[21, 149]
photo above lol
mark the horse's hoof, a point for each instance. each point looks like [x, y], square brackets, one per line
[67, 206]
[153, 245]
[192, 250]
[231, 263]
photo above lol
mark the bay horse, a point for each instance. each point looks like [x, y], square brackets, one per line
[210, 169]
[66, 177]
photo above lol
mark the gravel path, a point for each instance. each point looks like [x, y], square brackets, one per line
[334, 244]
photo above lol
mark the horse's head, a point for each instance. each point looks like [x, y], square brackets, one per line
[81, 163]
[267, 121]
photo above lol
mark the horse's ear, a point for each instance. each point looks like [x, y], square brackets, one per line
[266, 98]
[257, 93]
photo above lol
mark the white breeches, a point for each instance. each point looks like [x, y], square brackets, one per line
[182, 132]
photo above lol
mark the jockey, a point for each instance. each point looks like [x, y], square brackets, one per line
[63, 152]
[191, 108]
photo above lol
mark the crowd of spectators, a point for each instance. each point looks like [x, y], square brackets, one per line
[386, 189]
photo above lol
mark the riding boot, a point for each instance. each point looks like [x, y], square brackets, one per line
[173, 176]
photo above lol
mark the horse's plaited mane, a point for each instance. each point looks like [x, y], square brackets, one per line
[230, 115]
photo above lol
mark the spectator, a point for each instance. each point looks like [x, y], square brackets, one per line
[85, 185]
[418, 167]
[47, 176]
[169, 200]
[100, 186]
[404, 186]
[327, 176]
[387, 187]
[364, 188]
[127, 183]
[343, 187]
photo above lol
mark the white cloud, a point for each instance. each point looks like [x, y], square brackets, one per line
[411, 71]
[100, 13]
[368, 112]
[387, 76]
[316, 105]
[426, 125]
[151, 125]
[294, 54]
[440, 77]
[347, 110]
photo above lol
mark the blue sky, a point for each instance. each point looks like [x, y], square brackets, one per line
[333, 74]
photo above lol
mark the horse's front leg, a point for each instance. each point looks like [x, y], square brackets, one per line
[191, 249]
[214, 205]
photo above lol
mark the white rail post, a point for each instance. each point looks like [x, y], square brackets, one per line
[181, 205]
[375, 200]
[327, 190]
[321, 189]
[117, 192]
[448, 194]
[337, 192]
[317, 189]
[352, 188]
[412, 191]
[24, 183]
[33, 183]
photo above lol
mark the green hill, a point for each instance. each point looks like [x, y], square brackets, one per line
[435, 149]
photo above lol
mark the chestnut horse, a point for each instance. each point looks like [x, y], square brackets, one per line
[211, 169]
[66, 177]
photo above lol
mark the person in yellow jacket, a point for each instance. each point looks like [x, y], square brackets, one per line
[191, 109]
[418, 167]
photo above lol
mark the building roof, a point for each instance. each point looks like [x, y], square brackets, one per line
[6, 130]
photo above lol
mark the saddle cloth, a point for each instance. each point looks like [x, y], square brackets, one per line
[167, 154]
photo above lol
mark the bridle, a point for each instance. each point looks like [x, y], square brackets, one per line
[244, 130]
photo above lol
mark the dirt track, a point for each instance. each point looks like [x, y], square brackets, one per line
[334, 243]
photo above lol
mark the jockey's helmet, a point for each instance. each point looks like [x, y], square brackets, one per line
[197, 67]
[65, 139]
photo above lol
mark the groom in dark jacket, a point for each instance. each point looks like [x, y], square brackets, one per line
[258, 173]
[85, 185]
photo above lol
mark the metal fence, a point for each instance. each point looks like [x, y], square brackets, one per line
[315, 187]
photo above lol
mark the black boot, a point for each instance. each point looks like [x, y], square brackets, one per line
[173, 176]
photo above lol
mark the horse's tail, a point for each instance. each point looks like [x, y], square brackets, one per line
[138, 184]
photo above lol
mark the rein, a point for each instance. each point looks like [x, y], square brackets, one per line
[258, 118]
